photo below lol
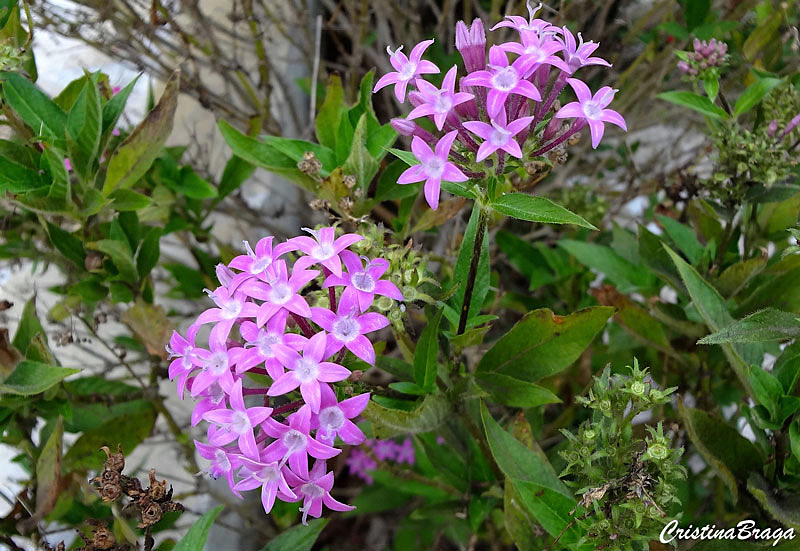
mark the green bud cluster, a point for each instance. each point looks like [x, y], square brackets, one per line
[626, 481]
[11, 56]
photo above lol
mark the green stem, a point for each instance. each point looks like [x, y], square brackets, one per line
[483, 218]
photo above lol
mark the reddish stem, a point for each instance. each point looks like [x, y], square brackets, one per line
[304, 325]
[253, 391]
[287, 407]
[331, 290]
[577, 125]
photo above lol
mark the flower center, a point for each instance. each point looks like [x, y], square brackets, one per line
[240, 423]
[306, 370]
[323, 251]
[217, 363]
[267, 474]
[281, 293]
[260, 264]
[346, 329]
[592, 110]
[312, 490]
[407, 73]
[231, 308]
[499, 136]
[505, 79]
[294, 440]
[363, 282]
[443, 103]
[331, 419]
[434, 168]
[215, 393]
[265, 342]
[221, 463]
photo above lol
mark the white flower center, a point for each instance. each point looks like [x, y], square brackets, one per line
[221, 461]
[323, 251]
[265, 342]
[294, 440]
[443, 103]
[434, 168]
[240, 423]
[260, 264]
[267, 474]
[499, 136]
[306, 370]
[506, 79]
[408, 71]
[231, 308]
[363, 282]
[215, 393]
[331, 419]
[281, 293]
[592, 110]
[346, 329]
[312, 490]
[217, 364]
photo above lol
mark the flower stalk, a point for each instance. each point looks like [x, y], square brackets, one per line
[483, 218]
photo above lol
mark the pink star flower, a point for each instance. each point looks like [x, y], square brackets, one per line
[531, 25]
[307, 371]
[537, 49]
[363, 281]
[315, 490]
[259, 342]
[255, 262]
[498, 135]
[334, 417]
[212, 398]
[592, 109]
[406, 69]
[577, 54]
[230, 307]
[279, 291]
[323, 249]
[294, 444]
[347, 328]
[439, 102]
[240, 421]
[223, 462]
[503, 80]
[433, 168]
[180, 351]
[215, 363]
[270, 477]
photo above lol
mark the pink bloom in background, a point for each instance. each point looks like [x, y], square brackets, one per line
[68, 164]
[433, 168]
[592, 109]
[250, 440]
[532, 24]
[407, 69]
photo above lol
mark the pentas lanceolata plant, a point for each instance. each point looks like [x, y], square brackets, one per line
[263, 325]
[505, 107]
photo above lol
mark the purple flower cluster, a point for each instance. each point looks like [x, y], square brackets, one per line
[707, 55]
[263, 325]
[499, 104]
[360, 463]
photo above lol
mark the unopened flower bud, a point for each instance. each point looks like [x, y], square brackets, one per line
[224, 274]
[471, 44]
[405, 127]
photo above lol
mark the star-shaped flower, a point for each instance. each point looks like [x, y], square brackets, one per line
[240, 421]
[347, 328]
[363, 281]
[439, 102]
[503, 80]
[592, 109]
[406, 69]
[433, 168]
[498, 135]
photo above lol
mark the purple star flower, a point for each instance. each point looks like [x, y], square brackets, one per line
[215, 363]
[537, 49]
[240, 421]
[259, 342]
[439, 102]
[503, 80]
[363, 281]
[471, 44]
[323, 249]
[498, 135]
[578, 54]
[307, 371]
[523, 26]
[405, 452]
[433, 168]
[385, 450]
[592, 109]
[223, 462]
[271, 478]
[359, 464]
[212, 398]
[407, 69]
[294, 444]
[315, 490]
[334, 417]
[279, 291]
[347, 328]
[230, 307]
[180, 350]
[259, 260]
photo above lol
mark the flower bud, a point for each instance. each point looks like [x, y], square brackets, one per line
[471, 44]
[224, 274]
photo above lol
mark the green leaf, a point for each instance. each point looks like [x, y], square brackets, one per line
[711, 86]
[84, 126]
[695, 12]
[769, 324]
[6, 9]
[429, 414]
[461, 269]
[120, 254]
[767, 389]
[297, 538]
[787, 368]
[426, 354]
[360, 162]
[388, 189]
[713, 310]
[753, 94]
[634, 319]
[701, 104]
[541, 492]
[28, 327]
[149, 251]
[48, 471]
[113, 109]
[195, 538]
[784, 507]
[683, 237]
[625, 276]
[763, 35]
[237, 170]
[192, 185]
[61, 188]
[134, 156]
[18, 178]
[127, 199]
[537, 209]
[736, 276]
[406, 156]
[330, 113]
[30, 378]
[44, 117]
[541, 344]
[514, 392]
[730, 454]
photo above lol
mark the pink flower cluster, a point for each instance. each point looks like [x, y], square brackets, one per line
[360, 464]
[263, 325]
[707, 55]
[499, 104]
